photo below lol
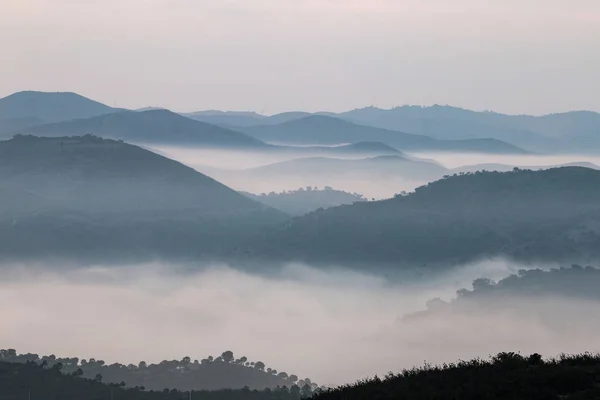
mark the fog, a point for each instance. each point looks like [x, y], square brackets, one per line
[334, 327]
[236, 169]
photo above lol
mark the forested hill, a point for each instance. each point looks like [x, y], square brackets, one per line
[34, 381]
[549, 215]
[223, 372]
[505, 376]
[74, 196]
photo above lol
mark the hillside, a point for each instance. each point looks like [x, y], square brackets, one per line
[535, 294]
[303, 201]
[223, 372]
[154, 126]
[87, 196]
[23, 381]
[327, 130]
[50, 107]
[504, 376]
[550, 215]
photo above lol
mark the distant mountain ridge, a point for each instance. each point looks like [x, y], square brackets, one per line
[154, 126]
[51, 106]
[326, 130]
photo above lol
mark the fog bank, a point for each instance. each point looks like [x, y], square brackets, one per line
[334, 327]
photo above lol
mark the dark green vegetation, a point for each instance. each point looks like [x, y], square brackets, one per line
[87, 196]
[223, 372]
[154, 126]
[550, 215]
[505, 376]
[305, 200]
[326, 130]
[30, 380]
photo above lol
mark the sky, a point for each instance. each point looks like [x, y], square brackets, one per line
[269, 56]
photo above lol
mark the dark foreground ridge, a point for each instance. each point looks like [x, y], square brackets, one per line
[505, 376]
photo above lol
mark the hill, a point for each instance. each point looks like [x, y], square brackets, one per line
[550, 215]
[87, 196]
[303, 201]
[327, 130]
[34, 381]
[535, 294]
[504, 376]
[223, 372]
[50, 107]
[561, 132]
[154, 126]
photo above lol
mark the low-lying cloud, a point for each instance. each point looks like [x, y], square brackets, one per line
[334, 327]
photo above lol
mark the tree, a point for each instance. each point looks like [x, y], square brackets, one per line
[186, 360]
[259, 365]
[227, 356]
[98, 378]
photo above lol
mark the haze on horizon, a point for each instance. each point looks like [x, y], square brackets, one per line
[272, 56]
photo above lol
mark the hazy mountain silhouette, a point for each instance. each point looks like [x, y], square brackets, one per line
[398, 166]
[155, 126]
[569, 131]
[50, 107]
[326, 130]
[549, 215]
[305, 200]
[506, 167]
[73, 196]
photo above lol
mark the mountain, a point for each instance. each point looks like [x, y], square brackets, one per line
[90, 197]
[562, 132]
[326, 130]
[549, 215]
[50, 107]
[223, 372]
[305, 200]
[155, 126]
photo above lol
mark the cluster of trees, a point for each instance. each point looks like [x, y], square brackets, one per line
[40, 381]
[305, 200]
[504, 376]
[211, 373]
[530, 293]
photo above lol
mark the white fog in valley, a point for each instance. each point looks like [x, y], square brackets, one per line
[262, 172]
[333, 325]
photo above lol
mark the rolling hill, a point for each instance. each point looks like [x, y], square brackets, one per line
[550, 215]
[327, 130]
[92, 197]
[154, 126]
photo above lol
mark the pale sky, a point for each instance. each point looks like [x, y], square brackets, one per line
[514, 56]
